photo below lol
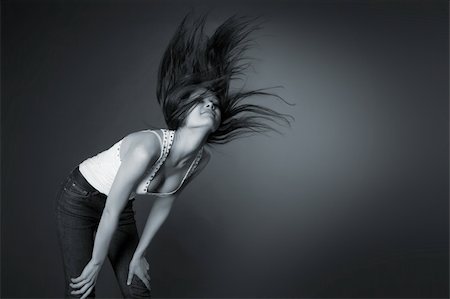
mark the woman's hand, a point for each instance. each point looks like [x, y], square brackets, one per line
[86, 281]
[139, 266]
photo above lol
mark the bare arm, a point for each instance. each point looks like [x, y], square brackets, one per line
[158, 214]
[132, 168]
[161, 209]
[134, 164]
[138, 264]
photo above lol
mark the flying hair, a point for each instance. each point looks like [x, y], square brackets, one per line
[193, 60]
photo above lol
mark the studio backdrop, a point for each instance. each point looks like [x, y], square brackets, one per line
[351, 201]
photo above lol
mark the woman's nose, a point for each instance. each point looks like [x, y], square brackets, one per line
[211, 105]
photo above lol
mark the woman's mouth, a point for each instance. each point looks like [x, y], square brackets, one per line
[209, 113]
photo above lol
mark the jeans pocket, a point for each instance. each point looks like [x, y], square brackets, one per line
[73, 188]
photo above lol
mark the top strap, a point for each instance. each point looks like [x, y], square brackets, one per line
[167, 144]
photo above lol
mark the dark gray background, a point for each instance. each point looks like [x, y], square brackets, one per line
[350, 202]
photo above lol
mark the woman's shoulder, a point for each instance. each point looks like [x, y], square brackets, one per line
[144, 136]
[147, 140]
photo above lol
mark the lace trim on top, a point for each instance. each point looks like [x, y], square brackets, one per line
[168, 141]
[166, 145]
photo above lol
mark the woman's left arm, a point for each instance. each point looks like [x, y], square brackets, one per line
[139, 265]
[156, 217]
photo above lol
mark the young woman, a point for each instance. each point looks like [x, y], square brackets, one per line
[94, 206]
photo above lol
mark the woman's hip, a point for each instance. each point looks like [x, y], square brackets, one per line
[77, 198]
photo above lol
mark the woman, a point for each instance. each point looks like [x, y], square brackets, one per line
[94, 205]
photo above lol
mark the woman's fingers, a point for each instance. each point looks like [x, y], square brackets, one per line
[87, 292]
[83, 289]
[78, 279]
[78, 285]
[147, 276]
[146, 282]
[82, 282]
[130, 277]
[83, 276]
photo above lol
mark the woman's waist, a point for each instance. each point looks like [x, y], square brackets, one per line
[95, 181]
[79, 180]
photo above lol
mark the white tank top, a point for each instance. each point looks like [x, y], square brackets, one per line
[101, 169]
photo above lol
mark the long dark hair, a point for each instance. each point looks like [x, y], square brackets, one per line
[192, 61]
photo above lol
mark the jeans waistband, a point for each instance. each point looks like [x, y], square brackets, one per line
[81, 180]
[78, 176]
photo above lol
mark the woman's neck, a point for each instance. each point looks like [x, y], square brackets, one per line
[186, 144]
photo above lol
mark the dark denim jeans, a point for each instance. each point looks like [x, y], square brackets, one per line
[78, 209]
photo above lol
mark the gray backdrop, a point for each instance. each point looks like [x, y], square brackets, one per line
[350, 202]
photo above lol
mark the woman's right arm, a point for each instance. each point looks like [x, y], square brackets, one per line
[131, 170]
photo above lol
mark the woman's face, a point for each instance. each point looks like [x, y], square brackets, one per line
[206, 112]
